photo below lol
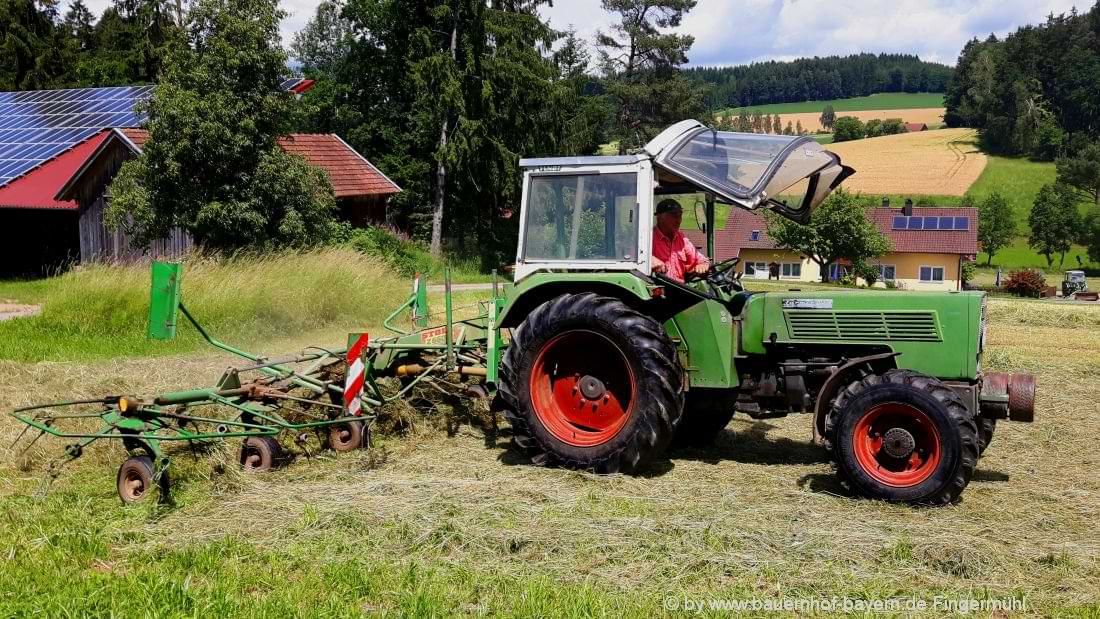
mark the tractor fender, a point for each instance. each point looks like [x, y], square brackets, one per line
[634, 289]
[837, 380]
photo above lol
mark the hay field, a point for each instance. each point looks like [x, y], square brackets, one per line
[811, 121]
[448, 521]
[943, 162]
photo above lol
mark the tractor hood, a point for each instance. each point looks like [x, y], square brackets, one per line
[787, 174]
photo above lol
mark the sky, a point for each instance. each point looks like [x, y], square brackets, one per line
[741, 31]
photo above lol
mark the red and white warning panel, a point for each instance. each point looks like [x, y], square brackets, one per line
[353, 384]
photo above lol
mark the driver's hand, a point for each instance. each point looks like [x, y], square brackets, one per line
[659, 265]
[701, 268]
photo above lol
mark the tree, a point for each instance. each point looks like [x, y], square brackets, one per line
[893, 126]
[848, 128]
[757, 122]
[996, 225]
[1090, 236]
[828, 117]
[767, 124]
[326, 39]
[640, 64]
[744, 122]
[873, 128]
[31, 50]
[211, 163]
[1054, 222]
[839, 228]
[798, 130]
[1082, 172]
[777, 124]
[789, 129]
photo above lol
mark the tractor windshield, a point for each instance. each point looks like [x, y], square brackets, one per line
[751, 170]
[583, 216]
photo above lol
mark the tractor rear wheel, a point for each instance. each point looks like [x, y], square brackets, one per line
[589, 383]
[986, 426]
[903, 436]
[705, 415]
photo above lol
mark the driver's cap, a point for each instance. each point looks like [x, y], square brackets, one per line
[668, 205]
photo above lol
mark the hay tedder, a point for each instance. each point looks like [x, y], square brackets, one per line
[600, 363]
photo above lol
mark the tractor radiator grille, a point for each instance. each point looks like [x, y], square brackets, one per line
[859, 325]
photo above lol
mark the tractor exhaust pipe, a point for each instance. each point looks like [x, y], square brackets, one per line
[1008, 396]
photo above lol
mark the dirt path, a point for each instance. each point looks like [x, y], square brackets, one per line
[17, 310]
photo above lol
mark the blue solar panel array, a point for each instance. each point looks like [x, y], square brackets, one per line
[38, 125]
[902, 222]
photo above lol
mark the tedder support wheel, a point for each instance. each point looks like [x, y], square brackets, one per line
[347, 436]
[260, 453]
[705, 415]
[589, 383]
[903, 436]
[135, 480]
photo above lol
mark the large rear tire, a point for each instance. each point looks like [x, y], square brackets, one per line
[905, 437]
[705, 416]
[589, 383]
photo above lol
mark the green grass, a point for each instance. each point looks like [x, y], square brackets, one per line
[822, 138]
[882, 101]
[100, 311]
[1019, 255]
[1017, 179]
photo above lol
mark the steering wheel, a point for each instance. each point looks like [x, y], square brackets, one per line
[719, 278]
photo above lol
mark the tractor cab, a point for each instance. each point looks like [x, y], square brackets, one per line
[596, 213]
[1074, 282]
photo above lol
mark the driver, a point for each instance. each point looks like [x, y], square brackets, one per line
[673, 253]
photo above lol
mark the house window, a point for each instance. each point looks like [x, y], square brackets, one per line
[931, 274]
[755, 235]
[837, 271]
[791, 269]
[887, 272]
[759, 270]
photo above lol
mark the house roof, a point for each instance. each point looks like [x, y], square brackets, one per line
[350, 173]
[38, 188]
[738, 233]
[916, 127]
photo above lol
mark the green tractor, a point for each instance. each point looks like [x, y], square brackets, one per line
[610, 363]
[1073, 283]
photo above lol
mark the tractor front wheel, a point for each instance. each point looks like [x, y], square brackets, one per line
[903, 436]
[260, 454]
[589, 383]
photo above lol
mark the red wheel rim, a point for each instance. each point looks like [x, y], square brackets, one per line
[582, 388]
[897, 444]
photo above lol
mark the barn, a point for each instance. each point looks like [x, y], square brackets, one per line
[60, 150]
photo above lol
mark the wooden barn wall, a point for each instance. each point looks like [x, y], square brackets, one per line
[98, 243]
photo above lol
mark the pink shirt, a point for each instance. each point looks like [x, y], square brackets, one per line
[678, 254]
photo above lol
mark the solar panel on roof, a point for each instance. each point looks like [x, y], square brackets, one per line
[37, 125]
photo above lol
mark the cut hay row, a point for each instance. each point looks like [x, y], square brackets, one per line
[942, 162]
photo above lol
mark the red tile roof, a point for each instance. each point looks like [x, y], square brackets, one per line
[916, 127]
[350, 173]
[37, 188]
[738, 233]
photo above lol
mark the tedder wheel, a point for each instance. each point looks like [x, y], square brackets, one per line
[260, 453]
[135, 480]
[589, 383]
[986, 426]
[347, 436]
[705, 415]
[903, 436]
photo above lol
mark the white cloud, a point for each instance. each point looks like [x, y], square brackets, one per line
[736, 32]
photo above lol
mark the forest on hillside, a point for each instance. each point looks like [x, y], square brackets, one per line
[813, 79]
[1033, 92]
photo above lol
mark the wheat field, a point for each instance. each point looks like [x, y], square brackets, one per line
[942, 162]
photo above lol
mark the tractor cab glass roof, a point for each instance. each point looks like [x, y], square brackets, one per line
[750, 170]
